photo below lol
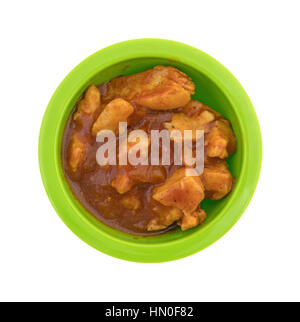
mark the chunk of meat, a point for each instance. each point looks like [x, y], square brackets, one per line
[76, 153]
[118, 110]
[122, 183]
[221, 140]
[148, 174]
[138, 149]
[165, 216]
[129, 176]
[217, 182]
[205, 117]
[215, 163]
[182, 122]
[86, 109]
[181, 191]
[126, 147]
[195, 108]
[194, 219]
[159, 88]
[131, 202]
[89, 104]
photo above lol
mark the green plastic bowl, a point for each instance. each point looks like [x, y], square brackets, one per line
[215, 86]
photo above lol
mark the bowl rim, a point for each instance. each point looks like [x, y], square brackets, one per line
[50, 165]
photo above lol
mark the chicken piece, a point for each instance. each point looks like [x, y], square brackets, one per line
[194, 219]
[85, 110]
[148, 174]
[125, 147]
[183, 122]
[195, 108]
[181, 191]
[221, 140]
[76, 153]
[205, 117]
[217, 182]
[118, 110]
[129, 176]
[122, 183]
[131, 202]
[143, 147]
[215, 163]
[155, 225]
[165, 216]
[89, 104]
[159, 88]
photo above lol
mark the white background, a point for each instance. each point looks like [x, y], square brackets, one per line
[40, 259]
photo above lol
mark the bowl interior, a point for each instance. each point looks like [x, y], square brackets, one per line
[207, 92]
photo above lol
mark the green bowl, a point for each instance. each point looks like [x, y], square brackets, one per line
[215, 86]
